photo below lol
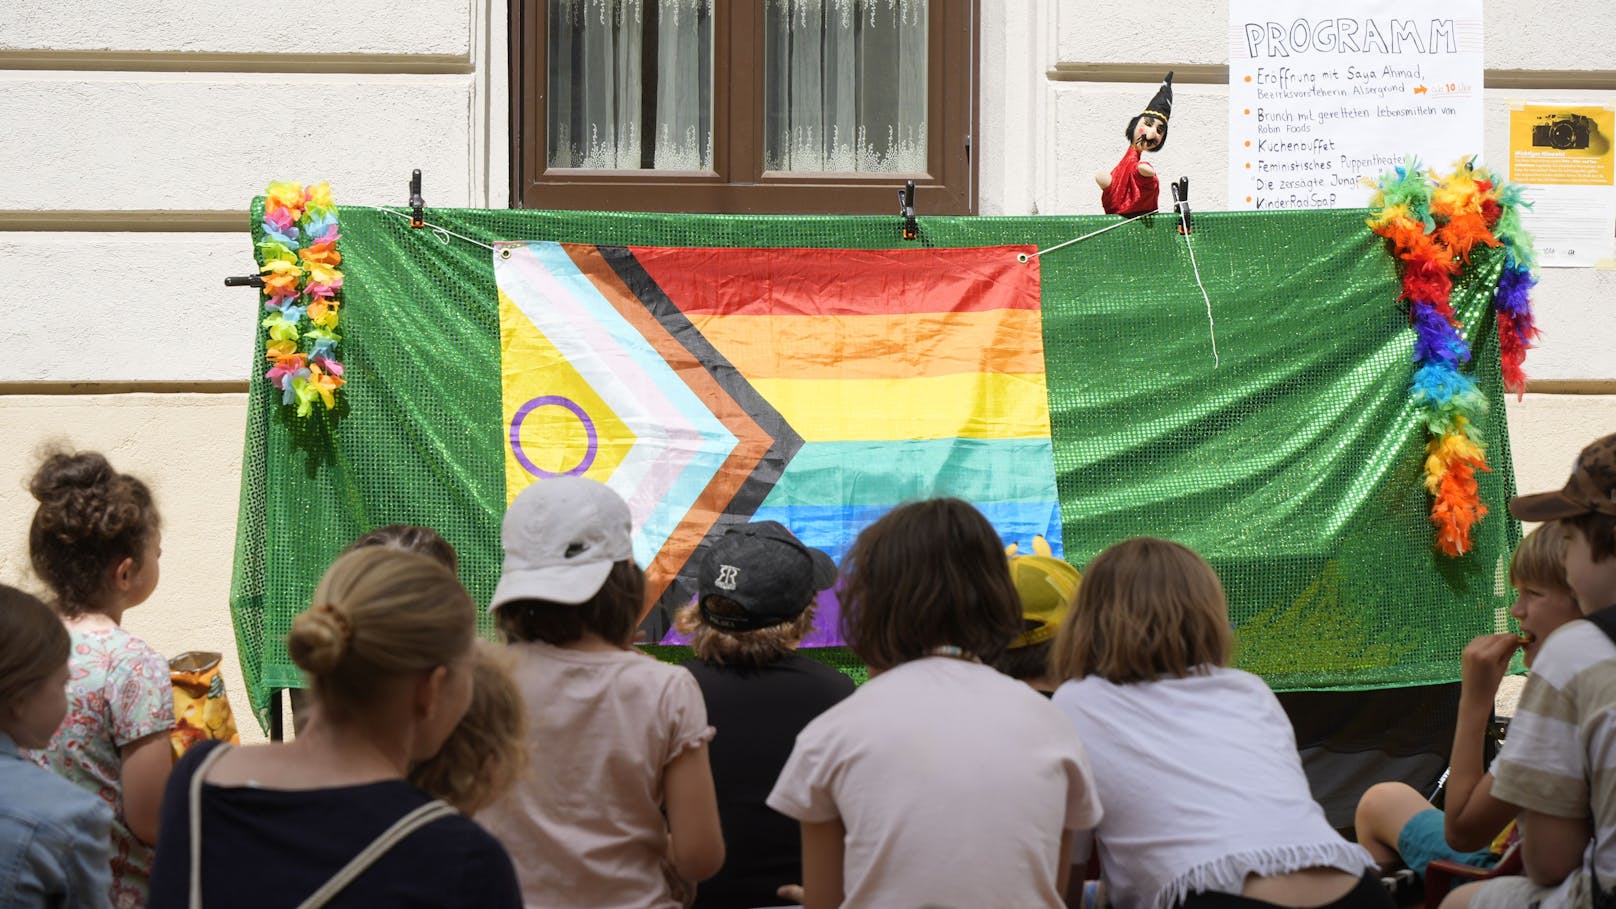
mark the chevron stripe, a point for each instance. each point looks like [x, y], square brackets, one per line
[731, 500]
[680, 444]
[657, 320]
[914, 373]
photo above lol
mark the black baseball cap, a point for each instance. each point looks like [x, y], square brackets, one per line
[765, 570]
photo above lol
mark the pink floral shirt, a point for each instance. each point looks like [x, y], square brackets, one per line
[117, 692]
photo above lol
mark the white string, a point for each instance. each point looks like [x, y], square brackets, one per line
[1211, 327]
[1024, 258]
[443, 233]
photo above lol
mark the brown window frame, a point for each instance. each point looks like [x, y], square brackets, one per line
[738, 184]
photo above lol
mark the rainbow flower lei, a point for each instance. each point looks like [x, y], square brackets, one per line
[1433, 223]
[301, 290]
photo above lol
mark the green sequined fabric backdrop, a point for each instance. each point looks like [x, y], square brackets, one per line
[1294, 464]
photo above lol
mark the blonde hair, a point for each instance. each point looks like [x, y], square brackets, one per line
[1146, 609]
[379, 613]
[741, 648]
[485, 753]
[1539, 560]
[33, 643]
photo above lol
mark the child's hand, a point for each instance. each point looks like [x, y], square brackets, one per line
[1484, 663]
[792, 892]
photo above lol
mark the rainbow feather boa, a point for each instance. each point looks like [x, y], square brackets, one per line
[302, 289]
[1433, 223]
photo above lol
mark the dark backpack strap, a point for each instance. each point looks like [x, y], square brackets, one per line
[378, 847]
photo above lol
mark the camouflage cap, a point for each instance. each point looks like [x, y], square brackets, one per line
[1591, 489]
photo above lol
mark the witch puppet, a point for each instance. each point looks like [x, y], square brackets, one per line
[1131, 188]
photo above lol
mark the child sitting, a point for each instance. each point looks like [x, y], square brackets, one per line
[1394, 822]
[486, 752]
[940, 781]
[1559, 763]
[54, 836]
[615, 738]
[1046, 587]
[328, 817]
[1207, 803]
[95, 540]
[754, 605]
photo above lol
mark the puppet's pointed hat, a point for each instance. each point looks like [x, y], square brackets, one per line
[1162, 104]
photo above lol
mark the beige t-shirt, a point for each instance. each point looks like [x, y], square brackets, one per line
[954, 783]
[584, 826]
[1560, 758]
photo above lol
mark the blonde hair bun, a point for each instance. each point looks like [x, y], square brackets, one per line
[380, 613]
[320, 639]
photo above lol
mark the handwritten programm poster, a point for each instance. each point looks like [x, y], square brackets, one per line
[1319, 101]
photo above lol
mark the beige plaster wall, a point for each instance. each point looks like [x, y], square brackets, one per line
[187, 447]
[135, 137]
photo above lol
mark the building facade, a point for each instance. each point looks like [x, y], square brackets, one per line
[136, 136]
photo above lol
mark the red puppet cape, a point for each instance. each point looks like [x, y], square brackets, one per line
[1131, 192]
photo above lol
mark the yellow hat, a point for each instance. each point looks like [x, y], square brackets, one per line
[1047, 587]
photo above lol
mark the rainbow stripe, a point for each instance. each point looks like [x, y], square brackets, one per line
[1433, 223]
[816, 388]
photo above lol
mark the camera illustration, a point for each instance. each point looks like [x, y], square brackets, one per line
[1562, 131]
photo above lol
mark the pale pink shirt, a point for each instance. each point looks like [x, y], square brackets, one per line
[584, 826]
[954, 783]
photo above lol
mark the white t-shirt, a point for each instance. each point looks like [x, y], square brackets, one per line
[1203, 786]
[954, 784]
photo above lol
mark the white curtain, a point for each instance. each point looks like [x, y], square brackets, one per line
[845, 86]
[602, 113]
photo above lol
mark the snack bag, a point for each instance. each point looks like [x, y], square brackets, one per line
[201, 710]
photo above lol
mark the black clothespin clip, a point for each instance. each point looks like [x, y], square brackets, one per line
[1181, 204]
[417, 204]
[244, 281]
[906, 210]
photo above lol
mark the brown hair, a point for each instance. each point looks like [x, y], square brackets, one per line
[1147, 608]
[89, 519]
[485, 753]
[613, 612]
[410, 538]
[748, 649]
[33, 643]
[1023, 663]
[926, 575]
[1539, 560]
[1600, 532]
[379, 613]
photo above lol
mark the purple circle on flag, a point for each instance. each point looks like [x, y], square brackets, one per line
[590, 450]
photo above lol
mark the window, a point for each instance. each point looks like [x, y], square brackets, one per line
[811, 106]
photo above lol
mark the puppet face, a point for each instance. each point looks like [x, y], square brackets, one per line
[1148, 133]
